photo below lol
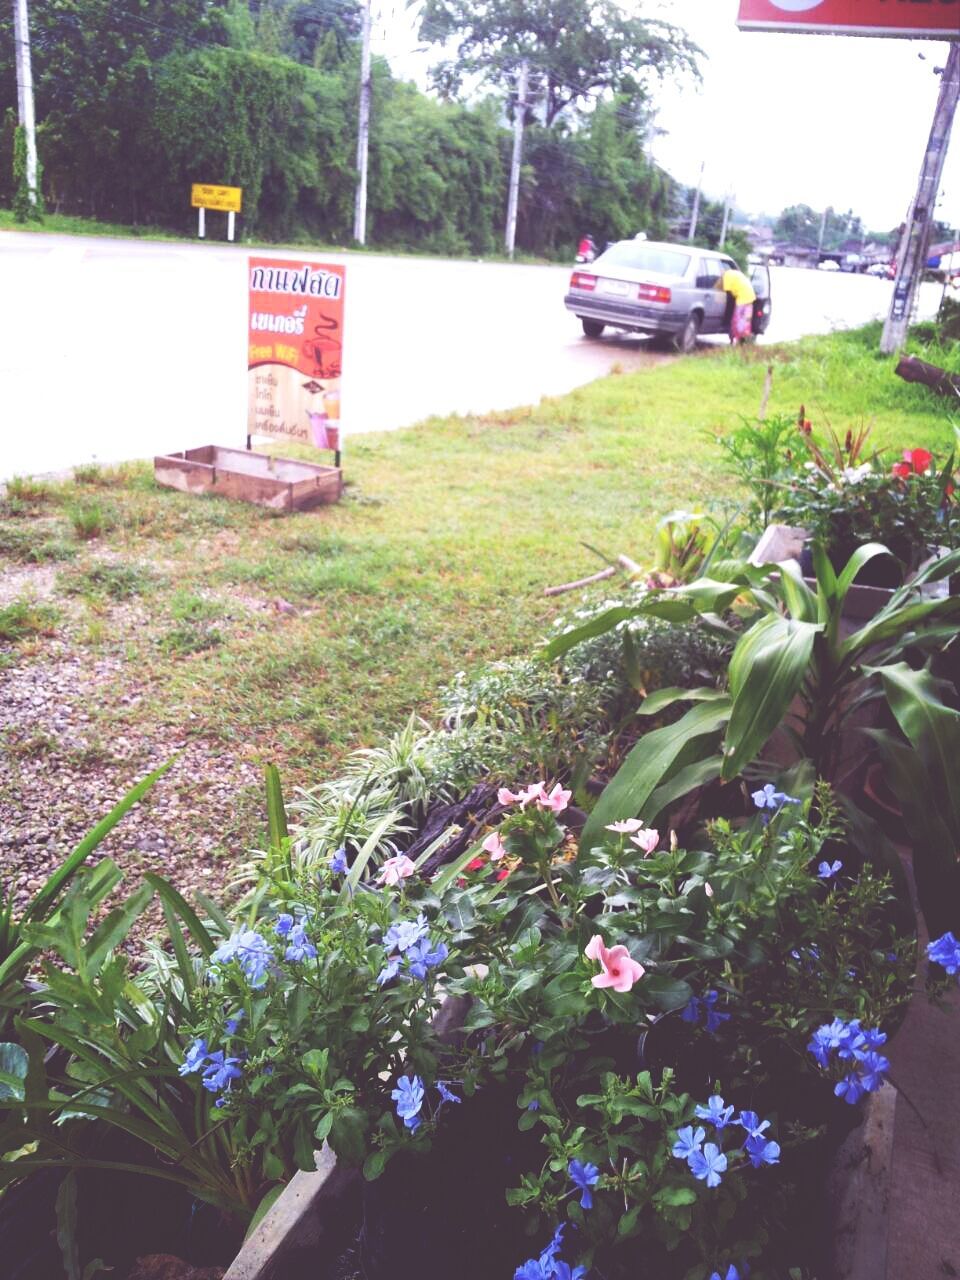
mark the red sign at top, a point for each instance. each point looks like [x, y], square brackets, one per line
[932, 19]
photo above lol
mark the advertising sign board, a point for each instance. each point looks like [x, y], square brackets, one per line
[930, 19]
[295, 350]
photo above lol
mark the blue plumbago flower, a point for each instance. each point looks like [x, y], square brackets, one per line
[691, 1012]
[705, 1007]
[826, 1039]
[873, 1067]
[300, 947]
[850, 1088]
[251, 950]
[533, 1106]
[220, 1071]
[584, 1176]
[338, 863]
[402, 935]
[389, 971]
[852, 1043]
[284, 924]
[827, 870]
[194, 1058]
[445, 1094]
[233, 1022]
[731, 1273]
[563, 1271]
[408, 1095]
[688, 1141]
[221, 1102]
[423, 955]
[750, 1121]
[718, 1115]
[761, 1151]
[770, 798]
[532, 1270]
[555, 1245]
[708, 1164]
[945, 951]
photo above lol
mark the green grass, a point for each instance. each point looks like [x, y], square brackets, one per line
[24, 618]
[299, 638]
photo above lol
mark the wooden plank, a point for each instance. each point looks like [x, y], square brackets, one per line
[281, 484]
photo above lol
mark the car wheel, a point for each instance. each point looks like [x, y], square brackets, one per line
[686, 340]
[592, 328]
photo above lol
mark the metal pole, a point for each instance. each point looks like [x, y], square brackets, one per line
[25, 107]
[823, 229]
[201, 222]
[726, 221]
[916, 232]
[363, 131]
[513, 196]
[231, 223]
[696, 203]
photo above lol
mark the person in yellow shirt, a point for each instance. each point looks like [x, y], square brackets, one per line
[741, 290]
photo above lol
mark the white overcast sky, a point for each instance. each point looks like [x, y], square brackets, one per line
[780, 119]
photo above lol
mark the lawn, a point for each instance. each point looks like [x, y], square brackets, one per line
[136, 622]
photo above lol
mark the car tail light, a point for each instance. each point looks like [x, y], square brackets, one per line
[583, 280]
[653, 293]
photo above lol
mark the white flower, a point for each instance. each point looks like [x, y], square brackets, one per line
[853, 475]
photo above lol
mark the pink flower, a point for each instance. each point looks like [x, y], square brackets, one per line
[620, 970]
[646, 839]
[535, 792]
[557, 800]
[396, 869]
[506, 796]
[494, 846]
[625, 828]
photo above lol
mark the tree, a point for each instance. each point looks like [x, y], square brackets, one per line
[575, 49]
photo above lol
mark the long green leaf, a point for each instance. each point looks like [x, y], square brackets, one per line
[651, 763]
[87, 845]
[662, 698]
[597, 626]
[893, 621]
[115, 926]
[766, 672]
[276, 810]
[683, 781]
[180, 906]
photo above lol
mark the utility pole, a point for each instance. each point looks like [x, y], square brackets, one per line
[363, 131]
[696, 203]
[823, 230]
[726, 220]
[27, 115]
[520, 111]
[912, 253]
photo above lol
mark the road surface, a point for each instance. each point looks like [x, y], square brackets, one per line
[116, 349]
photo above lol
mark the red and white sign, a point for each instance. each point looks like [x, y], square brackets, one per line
[930, 19]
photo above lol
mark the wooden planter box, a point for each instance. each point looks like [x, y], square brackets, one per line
[278, 483]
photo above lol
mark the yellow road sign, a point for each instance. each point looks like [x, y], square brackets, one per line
[204, 196]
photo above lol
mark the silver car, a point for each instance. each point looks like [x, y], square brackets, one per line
[671, 290]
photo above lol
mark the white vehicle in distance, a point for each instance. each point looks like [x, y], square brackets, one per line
[669, 290]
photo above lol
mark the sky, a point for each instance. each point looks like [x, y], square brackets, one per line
[779, 119]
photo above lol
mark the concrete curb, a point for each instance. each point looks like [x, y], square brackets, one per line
[859, 1190]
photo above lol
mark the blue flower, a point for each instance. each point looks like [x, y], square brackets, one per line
[945, 951]
[852, 1043]
[691, 1012]
[731, 1273]
[233, 1022]
[300, 948]
[445, 1093]
[252, 952]
[402, 936]
[696, 1007]
[553, 1248]
[194, 1058]
[563, 1271]
[708, 1164]
[750, 1121]
[533, 1106]
[827, 870]
[408, 1095]
[220, 1071]
[762, 1152]
[826, 1039]
[850, 1088]
[338, 863]
[584, 1176]
[533, 1269]
[770, 798]
[718, 1115]
[423, 955]
[688, 1141]
[873, 1066]
[284, 924]
[389, 971]
[874, 1037]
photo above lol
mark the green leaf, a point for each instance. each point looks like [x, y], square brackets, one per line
[766, 672]
[664, 698]
[115, 926]
[276, 811]
[668, 993]
[682, 783]
[675, 1196]
[597, 626]
[169, 896]
[14, 1064]
[263, 1208]
[66, 1210]
[652, 762]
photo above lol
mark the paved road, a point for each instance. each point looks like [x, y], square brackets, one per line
[113, 349]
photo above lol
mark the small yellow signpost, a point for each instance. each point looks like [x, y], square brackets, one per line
[205, 196]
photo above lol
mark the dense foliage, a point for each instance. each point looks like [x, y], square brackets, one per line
[135, 106]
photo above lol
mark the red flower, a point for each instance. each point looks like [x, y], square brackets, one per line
[901, 470]
[475, 864]
[919, 459]
[503, 873]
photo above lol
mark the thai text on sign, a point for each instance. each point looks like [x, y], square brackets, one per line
[295, 351]
[933, 19]
[204, 196]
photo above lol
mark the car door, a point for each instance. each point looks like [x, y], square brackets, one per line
[710, 295]
[762, 308]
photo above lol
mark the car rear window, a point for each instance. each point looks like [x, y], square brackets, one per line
[641, 257]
